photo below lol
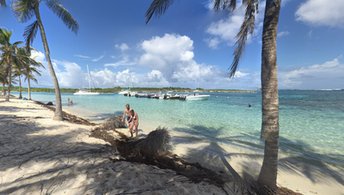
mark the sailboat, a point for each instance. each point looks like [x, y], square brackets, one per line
[86, 91]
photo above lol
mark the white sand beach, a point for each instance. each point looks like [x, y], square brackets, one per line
[40, 155]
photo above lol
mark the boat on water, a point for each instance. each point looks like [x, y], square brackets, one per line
[87, 91]
[197, 97]
[123, 92]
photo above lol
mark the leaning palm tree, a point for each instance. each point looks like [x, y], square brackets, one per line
[270, 122]
[26, 10]
[8, 56]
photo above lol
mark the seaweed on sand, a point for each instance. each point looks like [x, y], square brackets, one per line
[68, 117]
[154, 149]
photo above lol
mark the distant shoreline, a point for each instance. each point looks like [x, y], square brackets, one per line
[145, 89]
[152, 89]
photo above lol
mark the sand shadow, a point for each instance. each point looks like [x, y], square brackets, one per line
[60, 161]
[302, 158]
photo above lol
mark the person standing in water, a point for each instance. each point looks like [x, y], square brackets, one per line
[133, 123]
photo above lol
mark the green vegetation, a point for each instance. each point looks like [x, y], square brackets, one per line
[145, 89]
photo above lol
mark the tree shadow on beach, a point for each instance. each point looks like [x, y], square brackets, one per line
[301, 158]
[32, 160]
[36, 159]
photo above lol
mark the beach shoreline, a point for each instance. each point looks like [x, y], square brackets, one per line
[219, 155]
[41, 155]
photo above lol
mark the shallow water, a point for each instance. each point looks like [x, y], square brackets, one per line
[311, 122]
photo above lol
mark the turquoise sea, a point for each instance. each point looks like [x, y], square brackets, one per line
[311, 122]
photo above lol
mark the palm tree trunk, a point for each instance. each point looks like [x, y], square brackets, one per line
[3, 89]
[58, 107]
[9, 82]
[270, 122]
[28, 89]
[20, 88]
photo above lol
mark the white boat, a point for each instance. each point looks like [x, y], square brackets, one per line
[86, 91]
[123, 92]
[197, 97]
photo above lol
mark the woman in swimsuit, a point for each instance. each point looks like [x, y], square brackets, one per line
[133, 123]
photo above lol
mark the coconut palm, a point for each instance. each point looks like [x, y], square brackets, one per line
[26, 10]
[30, 70]
[3, 78]
[25, 65]
[18, 73]
[8, 56]
[270, 125]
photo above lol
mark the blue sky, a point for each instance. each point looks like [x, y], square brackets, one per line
[189, 46]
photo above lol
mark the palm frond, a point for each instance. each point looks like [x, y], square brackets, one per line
[157, 8]
[34, 70]
[224, 4]
[246, 28]
[23, 9]
[5, 36]
[34, 79]
[30, 34]
[15, 44]
[63, 13]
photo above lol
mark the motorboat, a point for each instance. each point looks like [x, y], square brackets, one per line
[197, 97]
[85, 92]
[123, 92]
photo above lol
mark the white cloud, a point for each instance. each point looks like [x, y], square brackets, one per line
[240, 74]
[225, 30]
[283, 33]
[82, 56]
[98, 58]
[122, 46]
[124, 61]
[318, 76]
[38, 56]
[322, 13]
[70, 74]
[173, 56]
[213, 42]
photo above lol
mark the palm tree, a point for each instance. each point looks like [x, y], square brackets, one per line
[9, 56]
[26, 10]
[18, 73]
[30, 76]
[25, 65]
[3, 77]
[270, 125]
[30, 69]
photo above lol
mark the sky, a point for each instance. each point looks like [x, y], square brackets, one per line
[189, 46]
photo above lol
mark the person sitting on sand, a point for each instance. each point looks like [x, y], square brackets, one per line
[133, 123]
[126, 114]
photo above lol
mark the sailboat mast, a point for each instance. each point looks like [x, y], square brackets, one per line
[89, 78]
